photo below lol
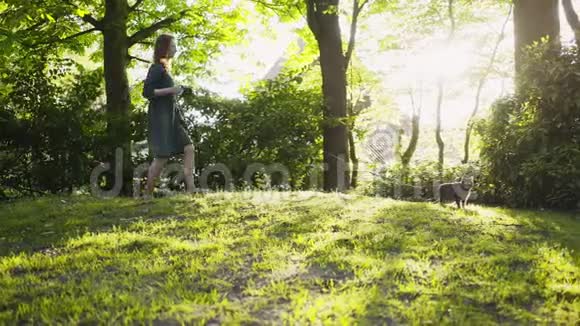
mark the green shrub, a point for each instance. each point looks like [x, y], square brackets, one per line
[50, 129]
[416, 182]
[278, 122]
[530, 147]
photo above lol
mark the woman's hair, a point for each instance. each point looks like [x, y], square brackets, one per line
[162, 45]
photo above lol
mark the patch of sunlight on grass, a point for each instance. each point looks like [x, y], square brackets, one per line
[491, 215]
[333, 307]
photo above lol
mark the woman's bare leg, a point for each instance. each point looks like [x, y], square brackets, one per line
[188, 168]
[153, 174]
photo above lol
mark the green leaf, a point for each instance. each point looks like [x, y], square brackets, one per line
[81, 12]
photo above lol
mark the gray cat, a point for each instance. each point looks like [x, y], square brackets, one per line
[456, 191]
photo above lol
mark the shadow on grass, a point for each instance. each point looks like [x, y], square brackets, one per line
[110, 279]
[41, 224]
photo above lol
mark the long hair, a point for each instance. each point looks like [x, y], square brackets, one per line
[162, 45]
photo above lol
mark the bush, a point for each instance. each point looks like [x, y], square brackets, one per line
[49, 130]
[530, 143]
[416, 183]
[277, 123]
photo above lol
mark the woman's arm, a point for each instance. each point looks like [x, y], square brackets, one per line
[167, 91]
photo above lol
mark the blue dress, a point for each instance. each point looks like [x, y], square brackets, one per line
[166, 129]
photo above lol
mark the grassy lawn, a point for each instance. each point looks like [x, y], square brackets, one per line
[296, 258]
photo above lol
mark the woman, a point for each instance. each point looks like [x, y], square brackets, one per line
[166, 135]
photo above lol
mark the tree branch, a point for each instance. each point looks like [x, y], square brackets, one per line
[138, 59]
[149, 31]
[362, 5]
[88, 31]
[311, 18]
[60, 40]
[98, 24]
[452, 19]
[274, 7]
[356, 10]
[38, 24]
[135, 5]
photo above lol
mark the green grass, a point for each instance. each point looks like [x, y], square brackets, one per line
[294, 258]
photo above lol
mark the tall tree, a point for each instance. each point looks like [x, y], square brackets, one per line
[534, 20]
[440, 94]
[322, 17]
[354, 109]
[46, 24]
[480, 85]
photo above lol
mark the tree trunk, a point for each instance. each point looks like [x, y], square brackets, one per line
[533, 20]
[354, 159]
[408, 154]
[440, 143]
[335, 133]
[356, 10]
[572, 19]
[116, 47]
[324, 24]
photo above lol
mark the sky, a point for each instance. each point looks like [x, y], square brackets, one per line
[241, 64]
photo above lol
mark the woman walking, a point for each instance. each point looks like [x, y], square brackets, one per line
[166, 133]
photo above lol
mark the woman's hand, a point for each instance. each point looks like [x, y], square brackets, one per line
[184, 90]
